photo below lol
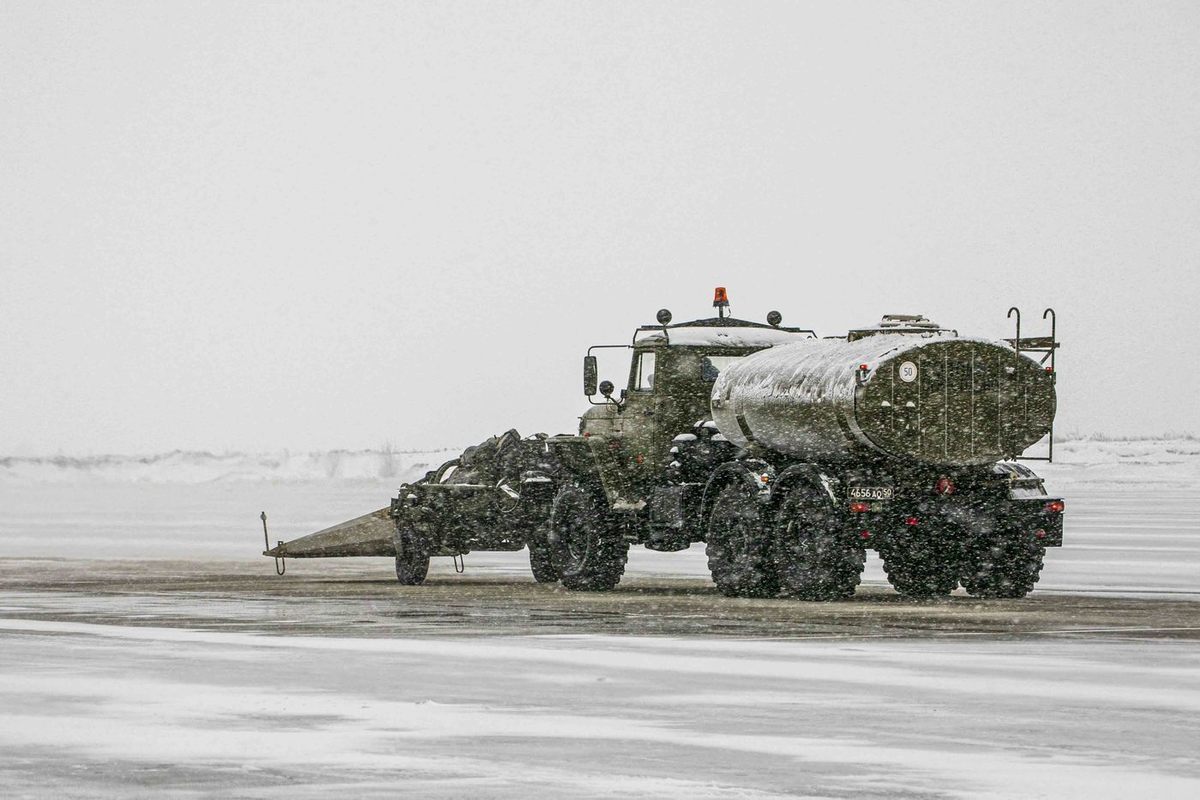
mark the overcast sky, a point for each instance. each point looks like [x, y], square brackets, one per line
[253, 226]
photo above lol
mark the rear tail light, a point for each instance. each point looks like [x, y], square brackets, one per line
[1055, 507]
[912, 522]
[944, 486]
[859, 508]
[864, 534]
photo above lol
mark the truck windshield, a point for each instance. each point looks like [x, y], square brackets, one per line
[712, 366]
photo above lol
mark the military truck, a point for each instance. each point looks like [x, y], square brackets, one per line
[789, 455]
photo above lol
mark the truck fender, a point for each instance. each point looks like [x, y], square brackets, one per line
[749, 471]
[809, 478]
[537, 486]
[1022, 482]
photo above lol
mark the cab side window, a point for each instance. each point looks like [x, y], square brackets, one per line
[645, 373]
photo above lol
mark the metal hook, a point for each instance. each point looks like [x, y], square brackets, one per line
[1017, 341]
[1049, 312]
[280, 563]
[460, 564]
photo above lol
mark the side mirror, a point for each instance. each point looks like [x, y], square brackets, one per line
[606, 389]
[590, 373]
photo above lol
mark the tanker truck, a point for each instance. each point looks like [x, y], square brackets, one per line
[787, 454]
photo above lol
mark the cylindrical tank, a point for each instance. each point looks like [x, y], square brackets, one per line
[928, 397]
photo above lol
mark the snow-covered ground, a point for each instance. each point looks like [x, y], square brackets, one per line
[136, 692]
[101, 710]
[1147, 464]
[1168, 460]
[192, 467]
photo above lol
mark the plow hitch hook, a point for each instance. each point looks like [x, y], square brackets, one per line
[280, 562]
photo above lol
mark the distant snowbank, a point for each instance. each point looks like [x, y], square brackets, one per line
[1093, 459]
[1099, 459]
[200, 467]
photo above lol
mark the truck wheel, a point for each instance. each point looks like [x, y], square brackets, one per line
[922, 564]
[588, 553]
[738, 545]
[817, 558]
[541, 561]
[1002, 565]
[412, 554]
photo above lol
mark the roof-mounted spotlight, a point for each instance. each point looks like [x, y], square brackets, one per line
[774, 318]
[664, 316]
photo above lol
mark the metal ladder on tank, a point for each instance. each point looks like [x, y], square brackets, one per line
[1046, 346]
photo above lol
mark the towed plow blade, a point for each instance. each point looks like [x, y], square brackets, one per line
[369, 535]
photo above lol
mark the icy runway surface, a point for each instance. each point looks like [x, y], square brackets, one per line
[199, 672]
[115, 710]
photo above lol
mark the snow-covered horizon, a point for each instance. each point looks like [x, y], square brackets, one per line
[199, 466]
[1078, 458]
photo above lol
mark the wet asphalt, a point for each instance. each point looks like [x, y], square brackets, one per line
[360, 598]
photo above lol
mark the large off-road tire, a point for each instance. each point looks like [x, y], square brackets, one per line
[923, 562]
[541, 561]
[816, 555]
[412, 553]
[739, 544]
[1003, 564]
[588, 551]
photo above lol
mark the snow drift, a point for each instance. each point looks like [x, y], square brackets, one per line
[1091, 460]
[1167, 461]
[188, 467]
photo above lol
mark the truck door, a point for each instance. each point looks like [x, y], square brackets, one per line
[620, 447]
[642, 405]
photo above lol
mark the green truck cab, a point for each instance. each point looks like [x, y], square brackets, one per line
[669, 385]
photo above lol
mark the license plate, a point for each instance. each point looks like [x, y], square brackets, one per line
[871, 492]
